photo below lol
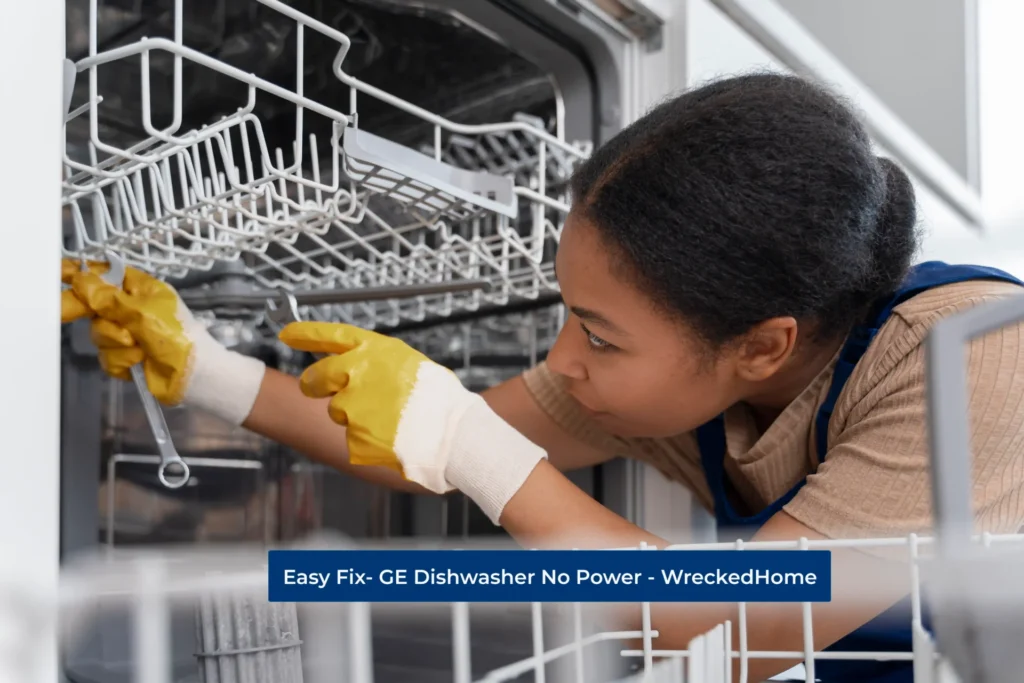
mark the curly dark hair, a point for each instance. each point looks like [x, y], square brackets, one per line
[750, 198]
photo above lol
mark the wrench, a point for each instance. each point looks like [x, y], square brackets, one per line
[280, 314]
[169, 458]
[286, 311]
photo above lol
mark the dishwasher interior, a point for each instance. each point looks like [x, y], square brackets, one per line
[273, 196]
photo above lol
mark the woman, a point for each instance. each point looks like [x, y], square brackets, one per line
[730, 263]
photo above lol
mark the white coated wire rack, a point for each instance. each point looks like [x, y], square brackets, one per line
[151, 583]
[346, 210]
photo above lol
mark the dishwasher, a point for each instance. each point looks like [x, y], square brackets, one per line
[400, 165]
[397, 165]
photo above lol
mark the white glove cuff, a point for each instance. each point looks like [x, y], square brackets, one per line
[489, 461]
[222, 382]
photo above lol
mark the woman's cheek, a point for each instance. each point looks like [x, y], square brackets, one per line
[630, 388]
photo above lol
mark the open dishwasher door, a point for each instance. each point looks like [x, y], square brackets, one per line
[249, 148]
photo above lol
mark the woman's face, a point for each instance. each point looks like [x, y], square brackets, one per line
[635, 370]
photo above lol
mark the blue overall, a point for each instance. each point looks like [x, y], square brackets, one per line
[889, 631]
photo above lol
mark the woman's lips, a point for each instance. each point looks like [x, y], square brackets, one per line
[592, 412]
[585, 407]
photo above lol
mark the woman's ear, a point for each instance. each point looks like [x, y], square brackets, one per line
[766, 348]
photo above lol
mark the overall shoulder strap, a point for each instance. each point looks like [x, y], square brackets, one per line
[711, 436]
[933, 274]
[922, 277]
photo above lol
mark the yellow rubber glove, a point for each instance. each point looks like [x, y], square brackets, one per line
[146, 322]
[404, 411]
[144, 310]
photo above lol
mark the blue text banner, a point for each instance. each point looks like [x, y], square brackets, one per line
[549, 576]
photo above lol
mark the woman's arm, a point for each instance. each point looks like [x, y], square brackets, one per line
[549, 511]
[283, 414]
[146, 322]
[444, 436]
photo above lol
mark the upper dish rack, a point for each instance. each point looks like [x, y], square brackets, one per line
[342, 209]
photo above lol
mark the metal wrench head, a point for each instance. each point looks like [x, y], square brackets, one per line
[114, 276]
[283, 312]
[178, 476]
[279, 315]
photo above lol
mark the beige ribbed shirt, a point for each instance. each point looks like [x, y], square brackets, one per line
[875, 479]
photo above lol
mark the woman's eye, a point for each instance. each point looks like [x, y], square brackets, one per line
[595, 341]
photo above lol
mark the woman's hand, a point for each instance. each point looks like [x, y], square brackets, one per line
[401, 410]
[146, 322]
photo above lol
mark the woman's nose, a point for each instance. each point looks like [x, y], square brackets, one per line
[564, 357]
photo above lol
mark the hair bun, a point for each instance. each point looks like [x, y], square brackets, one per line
[895, 238]
[899, 210]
